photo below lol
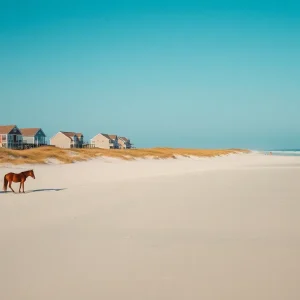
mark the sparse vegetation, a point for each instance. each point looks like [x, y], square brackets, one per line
[44, 154]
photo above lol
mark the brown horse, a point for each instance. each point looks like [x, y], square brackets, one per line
[13, 177]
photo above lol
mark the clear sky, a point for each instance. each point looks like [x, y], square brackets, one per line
[164, 73]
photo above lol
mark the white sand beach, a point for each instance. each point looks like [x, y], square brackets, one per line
[189, 228]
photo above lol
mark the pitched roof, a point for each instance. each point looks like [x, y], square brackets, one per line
[29, 131]
[105, 135]
[68, 134]
[124, 139]
[6, 129]
[109, 136]
[71, 134]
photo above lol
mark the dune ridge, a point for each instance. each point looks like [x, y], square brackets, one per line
[44, 155]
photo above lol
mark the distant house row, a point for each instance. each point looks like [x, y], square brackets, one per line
[65, 139]
[21, 138]
[111, 141]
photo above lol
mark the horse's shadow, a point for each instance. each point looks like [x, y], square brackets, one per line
[35, 191]
[45, 190]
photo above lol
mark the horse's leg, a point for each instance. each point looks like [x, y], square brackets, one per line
[23, 186]
[11, 187]
[20, 187]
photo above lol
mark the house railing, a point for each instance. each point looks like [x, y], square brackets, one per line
[22, 145]
[14, 145]
[31, 145]
[88, 145]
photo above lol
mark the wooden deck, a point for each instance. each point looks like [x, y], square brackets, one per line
[23, 146]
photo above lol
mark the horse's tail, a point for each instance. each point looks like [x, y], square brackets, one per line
[5, 183]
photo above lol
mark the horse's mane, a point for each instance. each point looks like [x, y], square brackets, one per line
[28, 171]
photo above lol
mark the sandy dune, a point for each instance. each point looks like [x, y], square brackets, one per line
[202, 228]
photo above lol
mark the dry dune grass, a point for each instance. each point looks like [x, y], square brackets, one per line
[44, 154]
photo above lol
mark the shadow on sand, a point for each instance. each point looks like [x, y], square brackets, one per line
[45, 190]
[34, 191]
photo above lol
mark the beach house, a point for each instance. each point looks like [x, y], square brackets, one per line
[67, 139]
[105, 141]
[11, 137]
[124, 143]
[33, 136]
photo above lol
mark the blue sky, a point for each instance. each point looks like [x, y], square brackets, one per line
[164, 73]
